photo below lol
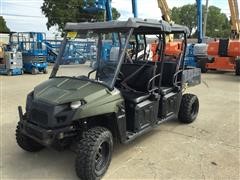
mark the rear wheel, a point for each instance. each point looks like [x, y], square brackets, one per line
[27, 143]
[9, 73]
[237, 70]
[94, 153]
[82, 61]
[45, 71]
[202, 64]
[34, 71]
[189, 108]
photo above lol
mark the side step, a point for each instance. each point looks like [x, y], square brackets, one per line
[130, 136]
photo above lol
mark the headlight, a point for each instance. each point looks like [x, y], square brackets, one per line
[76, 104]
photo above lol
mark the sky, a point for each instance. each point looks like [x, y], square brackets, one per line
[26, 15]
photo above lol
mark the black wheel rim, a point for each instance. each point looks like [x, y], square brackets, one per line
[194, 109]
[102, 156]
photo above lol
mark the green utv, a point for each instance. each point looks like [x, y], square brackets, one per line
[123, 97]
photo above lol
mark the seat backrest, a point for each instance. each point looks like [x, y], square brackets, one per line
[138, 81]
[169, 69]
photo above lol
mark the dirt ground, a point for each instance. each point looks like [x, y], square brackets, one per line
[209, 148]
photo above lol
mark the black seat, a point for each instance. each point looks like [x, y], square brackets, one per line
[169, 69]
[134, 97]
[139, 76]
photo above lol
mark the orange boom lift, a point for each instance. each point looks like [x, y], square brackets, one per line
[225, 53]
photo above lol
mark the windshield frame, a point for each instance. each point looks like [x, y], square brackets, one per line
[121, 55]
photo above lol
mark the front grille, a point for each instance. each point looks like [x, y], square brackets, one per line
[39, 117]
[34, 133]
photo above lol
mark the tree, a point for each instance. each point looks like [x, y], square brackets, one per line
[217, 23]
[185, 15]
[59, 12]
[3, 25]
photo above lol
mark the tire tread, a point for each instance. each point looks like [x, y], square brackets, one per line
[185, 108]
[85, 152]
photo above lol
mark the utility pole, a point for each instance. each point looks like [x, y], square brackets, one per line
[205, 19]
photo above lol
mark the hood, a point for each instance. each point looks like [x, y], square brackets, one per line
[64, 90]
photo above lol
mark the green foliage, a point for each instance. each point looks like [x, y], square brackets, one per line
[3, 26]
[59, 12]
[217, 22]
[185, 15]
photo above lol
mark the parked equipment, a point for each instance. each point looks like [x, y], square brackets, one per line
[195, 52]
[105, 5]
[91, 108]
[224, 55]
[53, 47]
[163, 6]
[10, 59]
[33, 50]
[235, 19]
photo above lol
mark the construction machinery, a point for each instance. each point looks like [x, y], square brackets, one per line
[171, 47]
[195, 52]
[224, 54]
[11, 62]
[96, 6]
[105, 6]
[77, 53]
[163, 6]
[33, 49]
[53, 47]
[235, 20]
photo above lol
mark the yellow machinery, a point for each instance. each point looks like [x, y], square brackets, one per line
[163, 6]
[235, 21]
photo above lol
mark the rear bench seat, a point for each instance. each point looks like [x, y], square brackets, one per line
[138, 82]
[169, 69]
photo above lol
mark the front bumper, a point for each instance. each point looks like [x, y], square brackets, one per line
[44, 136]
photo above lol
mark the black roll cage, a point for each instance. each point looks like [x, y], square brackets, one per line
[136, 31]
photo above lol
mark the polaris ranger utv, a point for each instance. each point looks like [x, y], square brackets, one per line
[117, 101]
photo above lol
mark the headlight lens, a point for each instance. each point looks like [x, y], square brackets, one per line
[76, 104]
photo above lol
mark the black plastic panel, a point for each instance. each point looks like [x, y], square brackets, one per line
[223, 47]
[140, 116]
[169, 104]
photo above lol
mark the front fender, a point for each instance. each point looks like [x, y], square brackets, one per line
[109, 103]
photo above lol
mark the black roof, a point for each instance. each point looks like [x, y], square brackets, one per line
[148, 26]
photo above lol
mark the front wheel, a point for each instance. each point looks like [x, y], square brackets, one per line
[94, 153]
[189, 108]
[34, 71]
[202, 65]
[27, 143]
[10, 73]
[45, 71]
[237, 70]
